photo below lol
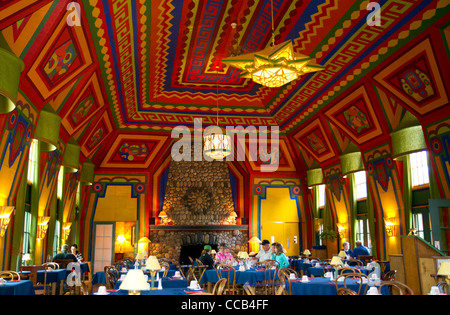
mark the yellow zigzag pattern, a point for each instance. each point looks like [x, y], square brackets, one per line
[300, 43]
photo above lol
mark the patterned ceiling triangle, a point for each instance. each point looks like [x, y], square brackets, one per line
[392, 107]
[341, 138]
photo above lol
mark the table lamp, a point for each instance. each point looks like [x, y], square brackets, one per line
[134, 282]
[336, 261]
[444, 270]
[139, 256]
[154, 267]
[307, 253]
[26, 258]
[342, 254]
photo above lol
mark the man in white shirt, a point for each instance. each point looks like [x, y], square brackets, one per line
[266, 252]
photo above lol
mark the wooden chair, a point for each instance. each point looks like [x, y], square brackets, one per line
[365, 259]
[345, 291]
[355, 262]
[284, 276]
[166, 266]
[395, 288]
[199, 269]
[346, 270]
[362, 283]
[219, 286]
[62, 263]
[326, 267]
[230, 272]
[390, 275]
[111, 276]
[40, 288]
[280, 289]
[52, 265]
[443, 287]
[249, 290]
[9, 275]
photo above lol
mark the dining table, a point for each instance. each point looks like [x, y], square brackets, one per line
[17, 287]
[100, 278]
[322, 286]
[165, 291]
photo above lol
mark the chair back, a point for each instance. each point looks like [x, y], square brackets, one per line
[355, 262]
[111, 276]
[284, 276]
[9, 275]
[219, 286]
[62, 263]
[166, 266]
[249, 290]
[230, 275]
[345, 291]
[443, 287]
[365, 259]
[52, 265]
[363, 282]
[395, 288]
[346, 270]
[390, 275]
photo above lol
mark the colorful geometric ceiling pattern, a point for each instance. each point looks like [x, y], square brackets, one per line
[123, 74]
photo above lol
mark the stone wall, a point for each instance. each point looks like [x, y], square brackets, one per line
[197, 193]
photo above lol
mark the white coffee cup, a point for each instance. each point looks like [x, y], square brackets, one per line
[177, 274]
[305, 278]
[193, 284]
[101, 290]
[435, 290]
[292, 276]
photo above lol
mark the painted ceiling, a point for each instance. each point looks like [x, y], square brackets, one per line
[123, 74]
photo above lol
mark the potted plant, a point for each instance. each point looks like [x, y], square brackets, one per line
[329, 239]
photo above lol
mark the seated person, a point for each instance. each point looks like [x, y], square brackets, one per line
[206, 258]
[279, 255]
[359, 250]
[65, 254]
[346, 249]
[266, 252]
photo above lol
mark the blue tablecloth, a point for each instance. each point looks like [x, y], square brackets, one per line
[166, 282]
[171, 291]
[322, 286]
[252, 276]
[22, 287]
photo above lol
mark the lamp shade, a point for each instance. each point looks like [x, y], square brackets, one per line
[140, 256]
[342, 254]
[87, 173]
[71, 157]
[27, 257]
[121, 238]
[351, 163]
[335, 261]
[444, 269]
[255, 240]
[144, 240]
[216, 144]
[47, 129]
[407, 141]
[314, 177]
[10, 68]
[306, 252]
[134, 281]
[152, 263]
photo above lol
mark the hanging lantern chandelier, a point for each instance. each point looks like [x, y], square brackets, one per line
[216, 144]
[275, 65]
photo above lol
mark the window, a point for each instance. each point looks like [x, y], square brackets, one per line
[363, 232]
[321, 195]
[59, 185]
[26, 231]
[418, 224]
[56, 238]
[361, 185]
[419, 169]
[32, 162]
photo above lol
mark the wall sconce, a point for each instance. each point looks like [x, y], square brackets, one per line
[42, 227]
[66, 230]
[341, 229]
[389, 224]
[5, 217]
[317, 224]
[121, 239]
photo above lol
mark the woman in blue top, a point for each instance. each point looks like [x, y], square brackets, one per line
[279, 256]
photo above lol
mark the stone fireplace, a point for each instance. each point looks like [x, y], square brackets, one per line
[200, 210]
